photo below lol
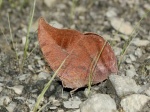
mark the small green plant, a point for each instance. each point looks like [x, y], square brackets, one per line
[11, 37]
[27, 36]
[26, 42]
[128, 42]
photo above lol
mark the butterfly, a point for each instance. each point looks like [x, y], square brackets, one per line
[85, 54]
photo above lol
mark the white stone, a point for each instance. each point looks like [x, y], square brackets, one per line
[132, 57]
[43, 75]
[121, 26]
[128, 60]
[17, 89]
[124, 85]
[111, 38]
[30, 67]
[137, 42]
[23, 40]
[117, 51]
[72, 103]
[145, 89]
[4, 100]
[23, 77]
[111, 13]
[11, 107]
[56, 24]
[98, 103]
[53, 107]
[147, 6]
[130, 73]
[30, 103]
[60, 110]
[56, 103]
[134, 102]
[138, 52]
[49, 3]
[40, 62]
[20, 98]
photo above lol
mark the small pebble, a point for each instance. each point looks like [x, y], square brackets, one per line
[30, 103]
[140, 43]
[49, 3]
[53, 107]
[117, 51]
[111, 13]
[134, 103]
[138, 52]
[40, 62]
[23, 77]
[30, 67]
[128, 60]
[4, 100]
[43, 75]
[56, 24]
[72, 103]
[124, 85]
[56, 103]
[130, 73]
[23, 40]
[17, 89]
[11, 107]
[132, 57]
[121, 26]
[98, 103]
[145, 89]
[147, 6]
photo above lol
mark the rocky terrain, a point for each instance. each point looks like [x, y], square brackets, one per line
[118, 21]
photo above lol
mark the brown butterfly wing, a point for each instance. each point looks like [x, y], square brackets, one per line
[57, 44]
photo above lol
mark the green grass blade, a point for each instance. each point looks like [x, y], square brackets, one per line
[127, 43]
[93, 66]
[11, 37]
[28, 34]
[47, 86]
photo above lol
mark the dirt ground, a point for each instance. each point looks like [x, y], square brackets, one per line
[83, 15]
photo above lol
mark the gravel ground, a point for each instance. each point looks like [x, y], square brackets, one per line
[128, 91]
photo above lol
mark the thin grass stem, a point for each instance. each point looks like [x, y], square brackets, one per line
[127, 43]
[47, 86]
[28, 34]
[11, 37]
[93, 66]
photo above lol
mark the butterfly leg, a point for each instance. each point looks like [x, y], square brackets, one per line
[72, 91]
